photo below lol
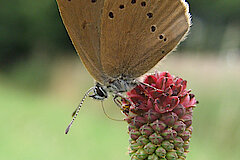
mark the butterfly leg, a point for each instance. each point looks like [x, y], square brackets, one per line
[125, 107]
[117, 101]
[147, 85]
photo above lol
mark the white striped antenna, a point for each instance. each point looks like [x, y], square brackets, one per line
[75, 113]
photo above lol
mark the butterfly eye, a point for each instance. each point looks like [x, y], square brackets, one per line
[93, 1]
[100, 92]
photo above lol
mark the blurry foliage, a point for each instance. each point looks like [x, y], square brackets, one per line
[210, 20]
[27, 27]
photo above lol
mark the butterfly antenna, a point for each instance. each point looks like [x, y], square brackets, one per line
[75, 113]
[147, 85]
[108, 115]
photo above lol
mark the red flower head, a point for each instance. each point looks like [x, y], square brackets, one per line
[160, 117]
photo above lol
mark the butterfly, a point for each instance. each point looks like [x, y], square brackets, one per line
[120, 40]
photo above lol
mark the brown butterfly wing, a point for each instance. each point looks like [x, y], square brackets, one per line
[136, 36]
[82, 19]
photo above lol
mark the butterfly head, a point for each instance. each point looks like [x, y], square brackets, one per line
[115, 86]
[99, 92]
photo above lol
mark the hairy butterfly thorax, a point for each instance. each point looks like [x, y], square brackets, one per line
[121, 84]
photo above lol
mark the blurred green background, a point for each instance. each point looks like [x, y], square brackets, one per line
[42, 81]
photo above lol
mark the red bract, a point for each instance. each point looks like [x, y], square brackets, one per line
[166, 93]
